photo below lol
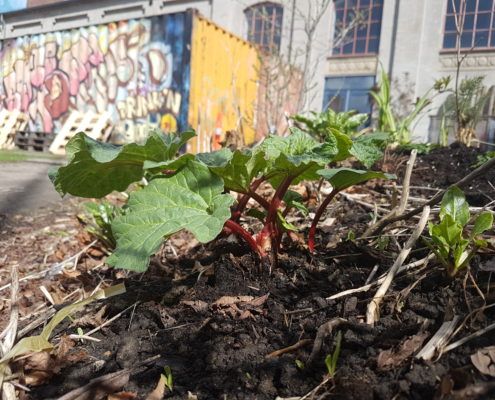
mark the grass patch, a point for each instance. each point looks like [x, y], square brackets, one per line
[22, 155]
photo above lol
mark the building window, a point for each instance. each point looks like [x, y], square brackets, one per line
[357, 27]
[478, 30]
[348, 93]
[265, 25]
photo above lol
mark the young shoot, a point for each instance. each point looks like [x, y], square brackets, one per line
[449, 239]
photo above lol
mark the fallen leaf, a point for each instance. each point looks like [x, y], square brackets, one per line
[196, 305]
[391, 358]
[39, 368]
[226, 301]
[159, 391]
[91, 320]
[484, 360]
[259, 301]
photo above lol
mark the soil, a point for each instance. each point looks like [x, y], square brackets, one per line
[217, 347]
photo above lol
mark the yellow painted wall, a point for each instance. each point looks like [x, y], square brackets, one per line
[224, 82]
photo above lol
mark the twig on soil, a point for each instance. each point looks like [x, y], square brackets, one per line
[434, 200]
[317, 388]
[439, 338]
[474, 335]
[403, 200]
[107, 322]
[373, 311]
[372, 274]
[324, 331]
[368, 286]
[289, 349]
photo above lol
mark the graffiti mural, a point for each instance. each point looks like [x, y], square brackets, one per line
[138, 70]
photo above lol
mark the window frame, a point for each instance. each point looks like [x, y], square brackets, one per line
[368, 39]
[490, 30]
[275, 22]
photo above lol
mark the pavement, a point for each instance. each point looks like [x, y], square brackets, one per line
[25, 186]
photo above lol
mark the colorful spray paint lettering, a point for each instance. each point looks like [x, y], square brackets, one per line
[138, 70]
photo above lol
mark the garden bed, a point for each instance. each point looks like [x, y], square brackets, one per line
[211, 315]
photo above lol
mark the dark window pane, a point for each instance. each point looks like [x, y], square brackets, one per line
[361, 46]
[485, 5]
[450, 24]
[481, 39]
[375, 29]
[483, 21]
[364, 3]
[265, 25]
[467, 39]
[470, 5]
[373, 45]
[348, 93]
[449, 41]
[362, 32]
[339, 4]
[492, 40]
[469, 21]
[347, 48]
[376, 13]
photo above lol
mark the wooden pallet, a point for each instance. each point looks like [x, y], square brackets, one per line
[38, 141]
[10, 123]
[96, 126]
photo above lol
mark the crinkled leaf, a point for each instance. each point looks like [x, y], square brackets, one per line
[237, 169]
[191, 199]
[483, 222]
[454, 204]
[339, 145]
[342, 178]
[368, 148]
[95, 169]
[298, 156]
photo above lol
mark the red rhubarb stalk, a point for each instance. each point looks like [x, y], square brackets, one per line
[234, 227]
[316, 219]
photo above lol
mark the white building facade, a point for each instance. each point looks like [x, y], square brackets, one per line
[413, 40]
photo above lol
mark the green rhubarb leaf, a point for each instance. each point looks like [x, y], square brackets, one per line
[191, 199]
[295, 200]
[368, 148]
[237, 169]
[455, 205]
[95, 169]
[483, 222]
[342, 178]
[298, 156]
[461, 253]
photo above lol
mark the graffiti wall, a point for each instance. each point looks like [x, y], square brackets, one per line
[138, 70]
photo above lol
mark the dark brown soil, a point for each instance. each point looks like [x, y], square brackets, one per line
[220, 351]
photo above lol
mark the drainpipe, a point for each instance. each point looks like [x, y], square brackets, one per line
[393, 39]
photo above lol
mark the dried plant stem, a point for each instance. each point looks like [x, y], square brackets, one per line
[434, 200]
[474, 335]
[373, 311]
[8, 389]
[377, 227]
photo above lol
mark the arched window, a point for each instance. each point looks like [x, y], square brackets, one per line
[357, 27]
[265, 25]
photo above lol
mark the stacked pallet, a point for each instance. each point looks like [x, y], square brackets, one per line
[96, 126]
[10, 123]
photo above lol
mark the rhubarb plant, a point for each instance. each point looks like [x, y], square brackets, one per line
[452, 245]
[205, 193]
